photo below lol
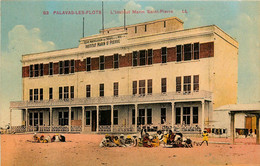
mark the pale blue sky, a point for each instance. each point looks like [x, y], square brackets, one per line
[24, 29]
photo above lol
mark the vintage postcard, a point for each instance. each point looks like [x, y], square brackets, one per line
[130, 83]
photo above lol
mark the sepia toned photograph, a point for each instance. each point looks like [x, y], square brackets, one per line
[156, 83]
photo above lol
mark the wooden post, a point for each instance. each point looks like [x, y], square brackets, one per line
[257, 130]
[26, 119]
[232, 127]
[202, 115]
[97, 118]
[83, 119]
[173, 114]
[69, 119]
[112, 118]
[136, 107]
[51, 119]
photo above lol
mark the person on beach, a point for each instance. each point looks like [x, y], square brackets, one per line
[205, 136]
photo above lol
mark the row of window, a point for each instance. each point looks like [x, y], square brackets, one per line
[186, 116]
[36, 70]
[184, 52]
[68, 92]
[36, 118]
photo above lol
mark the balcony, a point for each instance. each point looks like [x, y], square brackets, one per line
[119, 100]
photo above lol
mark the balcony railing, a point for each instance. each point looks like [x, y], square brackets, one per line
[124, 99]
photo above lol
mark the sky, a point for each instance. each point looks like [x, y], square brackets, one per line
[26, 29]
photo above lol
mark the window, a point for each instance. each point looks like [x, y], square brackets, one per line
[31, 70]
[141, 117]
[63, 118]
[66, 67]
[72, 92]
[87, 117]
[195, 115]
[164, 54]
[179, 53]
[101, 90]
[115, 61]
[164, 24]
[41, 118]
[88, 64]
[35, 118]
[72, 66]
[149, 116]
[134, 87]
[88, 90]
[30, 119]
[66, 92]
[187, 84]
[60, 93]
[178, 84]
[41, 94]
[72, 115]
[51, 68]
[115, 88]
[186, 115]
[150, 86]
[135, 29]
[196, 83]
[178, 115]
[41, 69]
[115, 117]
[150, 56]
[135, 54]
[163, 115]
[50, 93]
[187, 52]
[60, 67]
[196, 50]
[36, 70]
[142, 87]
[35, 94]
[31, 94]
[145, 28]
[163, 85]
[101, 62]
[133, 116]
[142, 58]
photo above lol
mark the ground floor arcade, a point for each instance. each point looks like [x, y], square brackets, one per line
[185, 116]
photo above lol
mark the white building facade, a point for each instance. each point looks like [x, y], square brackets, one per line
[153, 75]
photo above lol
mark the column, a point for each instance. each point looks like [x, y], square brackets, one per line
[232, 127]
[51, 120]
[26, 119]
[136, 107]
[173, 114]
[202, 115]
[83, 119]
[181, 114]
[11, 117]
[97, 118]
[257, 130]
[112, 118]
[69, 119]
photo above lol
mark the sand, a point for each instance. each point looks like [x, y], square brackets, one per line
[83, 149]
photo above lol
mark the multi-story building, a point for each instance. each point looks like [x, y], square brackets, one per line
[153, 74]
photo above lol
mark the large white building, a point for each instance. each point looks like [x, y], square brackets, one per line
[153, 74]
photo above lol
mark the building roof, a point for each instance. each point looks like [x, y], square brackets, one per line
[239, 107]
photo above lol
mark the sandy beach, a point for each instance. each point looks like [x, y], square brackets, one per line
[83, 149]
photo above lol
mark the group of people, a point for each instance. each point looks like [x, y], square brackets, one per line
[120, 141]
[166, 139]
[48, 139]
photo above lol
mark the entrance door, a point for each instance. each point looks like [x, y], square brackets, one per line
[94, 121]
[249, 123]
